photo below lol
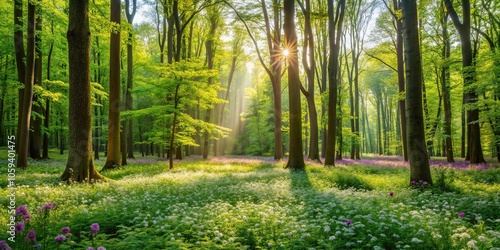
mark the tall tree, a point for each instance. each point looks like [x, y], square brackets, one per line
[20, 54]
[113, 149]
[309, 62]
[80, 166]
[35, 136]
[359, 14]
[474, 149]
[273, 42]
[419, 160]
[335, 21]
[22, 160]
[214, 16]
[295, 157]
[445, 84]
[130, 12]
[276, 55]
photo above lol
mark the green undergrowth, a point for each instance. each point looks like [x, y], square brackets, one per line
[228, 203]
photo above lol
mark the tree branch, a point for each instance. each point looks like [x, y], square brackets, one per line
[380, 60]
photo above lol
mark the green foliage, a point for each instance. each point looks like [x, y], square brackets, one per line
[193, 91]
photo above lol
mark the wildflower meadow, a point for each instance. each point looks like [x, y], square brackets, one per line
[254, 203]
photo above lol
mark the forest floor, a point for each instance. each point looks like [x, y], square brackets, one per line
[254, 203]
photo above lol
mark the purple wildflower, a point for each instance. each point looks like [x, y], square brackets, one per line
[101, 248]
[391, 194]
[60, 238]
[460, 214]
[26, 217]
[31, 236]
[38, 246]
[90, 248]
[413, 183]
[49, 206]
[348, 222]
[21, 210]
[65, 230]
[4, 245]
[94, 228]
[19, 227]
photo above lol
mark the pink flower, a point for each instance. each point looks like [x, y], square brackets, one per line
[460, 214]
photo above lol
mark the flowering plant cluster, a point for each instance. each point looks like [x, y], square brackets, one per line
[24, 222]
[258, 204]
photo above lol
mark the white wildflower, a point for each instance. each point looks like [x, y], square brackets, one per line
[416, 240]
[471, 243]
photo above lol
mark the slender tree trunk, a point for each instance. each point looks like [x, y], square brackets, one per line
[340, 137]
[474, 149]
[379, 129]
[210, 61]
[80, 166]
[46, 121]
[113, 151]
[335, 30]
[20, 57]
[174, 124]
[130, 13]
[419, 160]
[401, 78]
[22, 157]
[296, 157]
[222, 106]
[309, 62]
[35, 135]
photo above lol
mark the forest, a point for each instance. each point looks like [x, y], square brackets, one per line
[263, 124]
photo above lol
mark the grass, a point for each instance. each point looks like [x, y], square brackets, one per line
[253, 203]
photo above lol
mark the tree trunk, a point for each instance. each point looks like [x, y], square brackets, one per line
[309, 63]
[174, 124]
[379, 129]
[295, 157]
[419, 160]
[474, 149]
[401, 80]
[113, 147]
[273, 42]
[335, 32]
[35, 136]
[210, 61]
[80, 166]
[22, 160]
[20, 57]
[130, 76]
[229, 81]
[46, 120]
